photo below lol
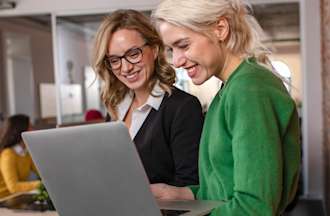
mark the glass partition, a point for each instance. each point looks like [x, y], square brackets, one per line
[79, 87]
[26, 61]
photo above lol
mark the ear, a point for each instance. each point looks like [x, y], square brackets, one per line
[155, 50]
[221, 29]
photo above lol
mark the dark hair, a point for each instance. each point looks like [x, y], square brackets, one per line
[14, 126]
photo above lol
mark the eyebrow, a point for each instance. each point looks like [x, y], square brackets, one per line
[133, 47]
[176, 43]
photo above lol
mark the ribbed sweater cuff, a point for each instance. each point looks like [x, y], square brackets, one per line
[194, 189]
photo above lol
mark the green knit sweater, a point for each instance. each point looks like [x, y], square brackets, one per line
[250, 151]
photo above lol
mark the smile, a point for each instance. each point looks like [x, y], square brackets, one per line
[192, 70]
[132, 76]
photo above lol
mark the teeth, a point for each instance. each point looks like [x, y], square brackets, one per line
[190, 68]
[131, 76]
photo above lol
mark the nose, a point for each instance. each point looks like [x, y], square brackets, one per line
[179, 58]
[126, 66]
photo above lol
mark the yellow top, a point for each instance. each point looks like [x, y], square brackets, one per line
[14, 171]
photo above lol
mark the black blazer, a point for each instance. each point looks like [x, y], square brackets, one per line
[168, 140]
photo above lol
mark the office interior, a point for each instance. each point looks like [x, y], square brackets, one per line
[45, 70]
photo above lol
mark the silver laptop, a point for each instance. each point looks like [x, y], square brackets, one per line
[95, 170]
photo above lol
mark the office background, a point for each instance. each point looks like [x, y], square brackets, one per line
[45, 50]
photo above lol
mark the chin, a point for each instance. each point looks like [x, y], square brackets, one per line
[135, 86]
[198, 81]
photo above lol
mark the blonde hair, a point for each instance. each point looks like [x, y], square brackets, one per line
[113, 91]
[245, 38]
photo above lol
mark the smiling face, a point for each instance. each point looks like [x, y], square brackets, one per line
[134, 76]
[193, 51]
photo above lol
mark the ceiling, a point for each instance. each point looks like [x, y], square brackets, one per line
[280, 21]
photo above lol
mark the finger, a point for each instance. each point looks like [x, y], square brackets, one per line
[156, 190]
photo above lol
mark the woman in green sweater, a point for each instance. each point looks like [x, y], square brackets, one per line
[250, 151]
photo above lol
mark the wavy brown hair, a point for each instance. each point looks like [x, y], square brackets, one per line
[113, 91]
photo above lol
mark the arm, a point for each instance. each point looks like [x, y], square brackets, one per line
[8, 168]
[184, 140]
[256, 128]
[168, 192]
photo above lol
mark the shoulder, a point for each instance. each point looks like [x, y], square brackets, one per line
[180, 103]
[8, 152]
[257, 85]
[180, 98]
[253, 74]
[256, 80]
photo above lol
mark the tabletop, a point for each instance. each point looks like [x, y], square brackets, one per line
[10, 212]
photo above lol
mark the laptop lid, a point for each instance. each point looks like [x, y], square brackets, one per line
[92, 170]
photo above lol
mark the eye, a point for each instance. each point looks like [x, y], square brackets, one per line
[114, 60]
[183, 45]
[133, 53]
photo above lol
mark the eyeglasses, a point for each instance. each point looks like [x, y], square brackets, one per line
[133, 56]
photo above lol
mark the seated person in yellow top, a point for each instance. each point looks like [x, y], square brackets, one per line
[15, 162]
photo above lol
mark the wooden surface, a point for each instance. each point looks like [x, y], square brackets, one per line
[8, 212]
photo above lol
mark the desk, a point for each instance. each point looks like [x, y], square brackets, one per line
[9, 212]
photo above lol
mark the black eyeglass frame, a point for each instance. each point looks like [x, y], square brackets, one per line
[107, 58]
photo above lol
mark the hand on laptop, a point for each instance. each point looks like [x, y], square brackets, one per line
[168, 192]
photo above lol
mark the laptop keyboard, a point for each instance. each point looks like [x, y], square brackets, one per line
[172, 212]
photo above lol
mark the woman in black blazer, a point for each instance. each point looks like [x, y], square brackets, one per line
[164, 122]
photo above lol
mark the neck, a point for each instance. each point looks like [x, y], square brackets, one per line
[22, 144]
[230, 65]
[140, 97]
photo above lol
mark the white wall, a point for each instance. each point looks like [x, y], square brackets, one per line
[72, 46]
[290, 55]
[312, 98]
[20, 78]
[42, 59]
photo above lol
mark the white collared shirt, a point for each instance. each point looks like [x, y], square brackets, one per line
[140, 114]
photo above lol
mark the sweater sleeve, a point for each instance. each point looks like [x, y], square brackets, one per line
[255, 124]
[9, 172]
[185, 137]
[194, 189]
